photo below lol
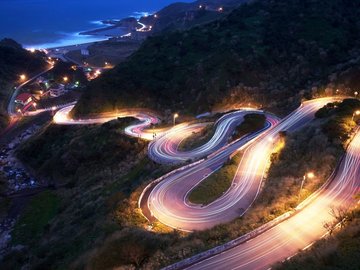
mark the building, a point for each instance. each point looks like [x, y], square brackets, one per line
[23, 99]
[57, 90]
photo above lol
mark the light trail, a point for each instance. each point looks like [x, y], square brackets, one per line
[137, 130]
[302, 229]
[168, 199]
[165, 149]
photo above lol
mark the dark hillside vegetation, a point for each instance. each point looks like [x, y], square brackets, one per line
[93, 170]
[270, 53]
[67, 152]
[185, 15]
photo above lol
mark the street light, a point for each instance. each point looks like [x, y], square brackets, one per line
[357, 113]
[309, 175]
[175, 116]
[356, 93]
[65, 79]
[23, 77]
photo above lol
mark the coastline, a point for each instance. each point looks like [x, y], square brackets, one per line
[112, 28]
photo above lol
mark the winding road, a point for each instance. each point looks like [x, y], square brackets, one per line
[302, 229]
[137, 130]
[165, 149]
[167, 199]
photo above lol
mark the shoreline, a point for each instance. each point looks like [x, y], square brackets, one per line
[99, 34]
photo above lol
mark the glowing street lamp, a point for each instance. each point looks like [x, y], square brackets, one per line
[65, 79]
[309, 175]
[356, 113]
[23, 77]
[356, 93]
[175, 116]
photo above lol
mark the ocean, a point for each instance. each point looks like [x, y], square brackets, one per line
[53, 23]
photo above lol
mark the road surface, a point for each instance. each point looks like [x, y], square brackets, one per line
[11, 106]
[168, 199]
[165, 149]
[302, 229]
[137, 130]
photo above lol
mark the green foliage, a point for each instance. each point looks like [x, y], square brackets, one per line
[95, 200]
[131, 247]
[216, 184]
[252, 123]
[35, 218]
[68, 151]
[341, 119]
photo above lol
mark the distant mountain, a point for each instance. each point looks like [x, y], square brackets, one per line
[184, 15]
[272, 53]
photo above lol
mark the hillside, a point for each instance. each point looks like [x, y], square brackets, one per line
[185, 15]
[272, 53]
[14, 60]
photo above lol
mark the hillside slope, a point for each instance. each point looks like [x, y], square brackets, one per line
[14, 60]
[269, 52]
[185, 15]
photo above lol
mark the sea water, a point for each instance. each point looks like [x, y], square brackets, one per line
[53, 23]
